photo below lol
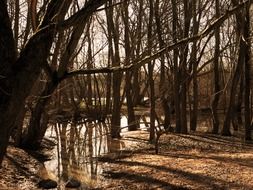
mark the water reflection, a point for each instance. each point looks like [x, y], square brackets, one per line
[78, 146]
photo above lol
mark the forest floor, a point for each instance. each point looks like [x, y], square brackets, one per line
[194, 161]
[19, 170]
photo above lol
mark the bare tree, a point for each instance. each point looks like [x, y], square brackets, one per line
[116, 105]
[241, 22]
[216, 75]
[20, 73]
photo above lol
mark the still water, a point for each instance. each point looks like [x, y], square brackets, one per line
[77, 149]
[76, 152]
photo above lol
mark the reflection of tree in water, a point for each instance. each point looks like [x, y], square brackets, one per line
[63, 151]
[78, 147]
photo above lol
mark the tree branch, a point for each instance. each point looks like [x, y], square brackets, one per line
[147, 60]
[90, 7]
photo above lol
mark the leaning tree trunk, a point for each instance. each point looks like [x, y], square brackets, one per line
[235, 80]
[7, 59]
[25, 76]
[238, 71]
[22, 74]
[38, 126]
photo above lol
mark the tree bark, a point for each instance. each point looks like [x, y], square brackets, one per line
[136, 87]
[194, 66]
[150, 75]
[183, 66]
[247, 113]
[216, 75]
[35, 132]
[176, 72]
[21, 74]
[132, 125]
[116, 105]
[237, 74]
[162, 84]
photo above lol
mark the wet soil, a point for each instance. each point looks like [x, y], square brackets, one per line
[193, 161]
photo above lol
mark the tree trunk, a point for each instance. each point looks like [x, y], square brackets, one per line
[247, 114]
[176, 72]
[238, 106]
[37, 128]
[132, 125]
[16, 23]
[7, 60]
[89, 66]
[183, 96]
[18, 128]
[183, 66]
[116, 104]
[136, 85]
[162, 88]
[216, 74]
[22, 75]
[150, 76]
[116, 108]
[235, 81]
[194, 111]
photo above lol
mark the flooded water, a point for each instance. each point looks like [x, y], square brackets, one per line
[75, 155]
[78, 147]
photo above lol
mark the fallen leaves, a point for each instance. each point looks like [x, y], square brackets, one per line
[195, 161]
